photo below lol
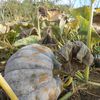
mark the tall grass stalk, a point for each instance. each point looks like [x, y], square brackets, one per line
[89, 36]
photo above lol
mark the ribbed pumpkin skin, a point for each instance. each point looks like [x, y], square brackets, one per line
[29, 73]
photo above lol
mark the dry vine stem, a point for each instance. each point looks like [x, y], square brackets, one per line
[7, 88]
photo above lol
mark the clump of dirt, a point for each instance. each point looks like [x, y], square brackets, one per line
[92, 93]
[89, 92]
[95, 75]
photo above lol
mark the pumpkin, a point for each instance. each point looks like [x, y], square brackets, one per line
[29, 73]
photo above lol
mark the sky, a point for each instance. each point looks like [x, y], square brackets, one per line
[75, 3]
[78, 3]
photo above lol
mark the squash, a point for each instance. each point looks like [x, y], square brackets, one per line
[29, 73]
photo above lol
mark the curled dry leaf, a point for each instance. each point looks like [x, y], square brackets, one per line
[77, 55]
[4, 29]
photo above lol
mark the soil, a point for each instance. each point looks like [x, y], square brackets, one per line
[3, 95]
[89, 92]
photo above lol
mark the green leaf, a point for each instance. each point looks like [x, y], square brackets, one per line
[92, 1]
[11, 36]
[84, 29]
[25, 41]
[97, 49]
[83, 24]
[86, 73]
[82, 11]
[67, 96]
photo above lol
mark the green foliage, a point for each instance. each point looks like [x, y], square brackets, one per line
[92, 1]
[11, 36]
[83, 16]
[97, 49]
[84, 28]
[67, 96]
[26, 41]
[79, 75]
[83, 11]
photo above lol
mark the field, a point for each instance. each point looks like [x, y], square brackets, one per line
[73, 35]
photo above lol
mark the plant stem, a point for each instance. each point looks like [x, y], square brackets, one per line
[7, 88]
[38, 20]
[89, 27]
[93, 83]
[89, 38]
[67, 96]
[86, 73]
